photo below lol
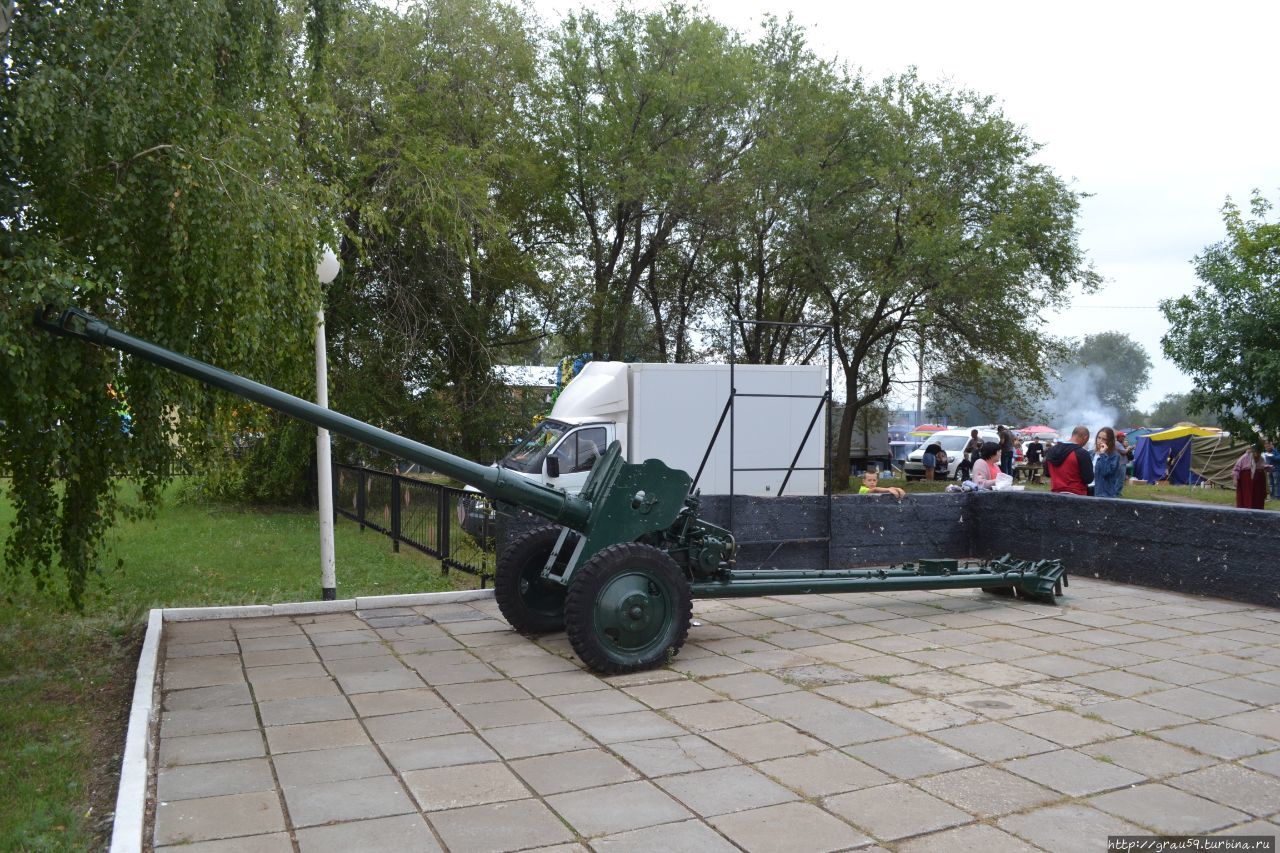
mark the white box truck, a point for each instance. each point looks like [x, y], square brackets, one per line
[670, 411]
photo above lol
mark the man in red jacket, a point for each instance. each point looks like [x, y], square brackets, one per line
[1070, 468]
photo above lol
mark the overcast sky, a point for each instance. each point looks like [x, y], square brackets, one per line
[1158, 110]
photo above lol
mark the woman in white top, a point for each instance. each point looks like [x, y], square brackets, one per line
[984, 471]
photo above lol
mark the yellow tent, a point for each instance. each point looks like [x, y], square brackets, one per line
[1183, 430]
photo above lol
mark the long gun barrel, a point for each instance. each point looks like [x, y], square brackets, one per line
[570, 510]
[622, 586]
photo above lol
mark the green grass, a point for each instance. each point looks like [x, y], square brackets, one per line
[1132, 491]
[66, 679]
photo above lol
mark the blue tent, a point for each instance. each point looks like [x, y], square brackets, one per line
[1186, 455]
[1153, 460]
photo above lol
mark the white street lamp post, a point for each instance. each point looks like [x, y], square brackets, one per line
[326, 271]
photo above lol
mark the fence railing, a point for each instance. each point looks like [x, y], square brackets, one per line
[454, 526]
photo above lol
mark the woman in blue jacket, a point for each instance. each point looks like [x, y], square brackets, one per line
[1108, 466]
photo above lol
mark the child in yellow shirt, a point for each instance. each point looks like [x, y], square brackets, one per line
[871, 486]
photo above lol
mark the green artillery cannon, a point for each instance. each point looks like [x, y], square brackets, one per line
[620, 563]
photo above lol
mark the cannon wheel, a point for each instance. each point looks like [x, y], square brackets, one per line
[628, 608]
[529, 604]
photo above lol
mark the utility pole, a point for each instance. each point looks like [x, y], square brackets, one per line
[326, 271]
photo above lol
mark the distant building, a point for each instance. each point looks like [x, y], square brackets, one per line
[529, 382]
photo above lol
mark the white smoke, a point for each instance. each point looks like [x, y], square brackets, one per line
[1074, 401]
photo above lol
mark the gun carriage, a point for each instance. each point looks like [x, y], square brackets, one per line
[618, 565]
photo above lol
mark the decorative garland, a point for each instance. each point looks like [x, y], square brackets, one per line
[569, 368]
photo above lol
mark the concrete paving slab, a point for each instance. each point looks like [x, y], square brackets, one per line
[1166, 810]
[1073, 773]
[202, 749]
[617, 808]
[971, 837]
[1235, 786]
[399, 834]
[206, 818]
[463, 785]
[788, 827]
[329, 765]
[763, 741]
[300, 737]
[572, 771]
[220, 696]
[993, 741]
[823, 773]
[690, 836]
[728, 789]
[1067, 828]
[895, 811]
[915, 721]
[911, 757]
[665, 756]
[193, 781]
[987, 792]
[276, 842]
[710, 716]
[207, 721]
[500, 827]
[348, 799]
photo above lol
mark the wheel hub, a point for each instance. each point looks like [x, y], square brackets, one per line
[632, 611]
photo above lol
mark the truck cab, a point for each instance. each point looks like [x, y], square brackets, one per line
[560, 453]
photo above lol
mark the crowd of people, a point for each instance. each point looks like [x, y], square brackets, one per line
[1075, 470]
[1101, 471]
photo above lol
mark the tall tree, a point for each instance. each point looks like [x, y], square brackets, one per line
[930, 229]
[1120, 366]
[151, 174]
[1177, 408]
[1224, 335]
[637, 115]
[973, 393]
[794, 99]
[448, 213]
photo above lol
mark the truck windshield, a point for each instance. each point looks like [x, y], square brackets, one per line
[533, 448]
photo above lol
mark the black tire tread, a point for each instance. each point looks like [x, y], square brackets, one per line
[579, 605]
[506, 581]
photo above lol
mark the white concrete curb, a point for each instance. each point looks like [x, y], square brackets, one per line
[135, 776]
[295, 608]
[131, 800]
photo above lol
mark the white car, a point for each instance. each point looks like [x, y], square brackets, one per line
[953, 442]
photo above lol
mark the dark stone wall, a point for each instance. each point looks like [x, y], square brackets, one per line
[866, 530]
[1204, 550]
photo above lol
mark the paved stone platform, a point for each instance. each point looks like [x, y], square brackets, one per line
[912, 721]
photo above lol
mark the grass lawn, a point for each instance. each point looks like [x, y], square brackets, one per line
[66, 680]
[1132, 491]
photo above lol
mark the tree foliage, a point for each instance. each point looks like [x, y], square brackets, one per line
[1224, 335]
[447, 215]
[1119, 365]
[932, 233]
[1177, 408]
[638, 117]
[193, 227]
[971, 392]
[632, 183]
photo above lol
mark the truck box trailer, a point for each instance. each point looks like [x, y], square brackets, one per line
[670, 412]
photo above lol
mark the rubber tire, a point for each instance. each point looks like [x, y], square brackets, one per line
[518, 570]
[595, 576]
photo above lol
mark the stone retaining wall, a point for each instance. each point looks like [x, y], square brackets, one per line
[1206, 550]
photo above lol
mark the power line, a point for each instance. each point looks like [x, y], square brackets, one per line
[1118, 307]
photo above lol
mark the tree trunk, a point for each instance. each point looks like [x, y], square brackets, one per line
[844, 436]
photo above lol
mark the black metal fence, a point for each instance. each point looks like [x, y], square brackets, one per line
[454, 526]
